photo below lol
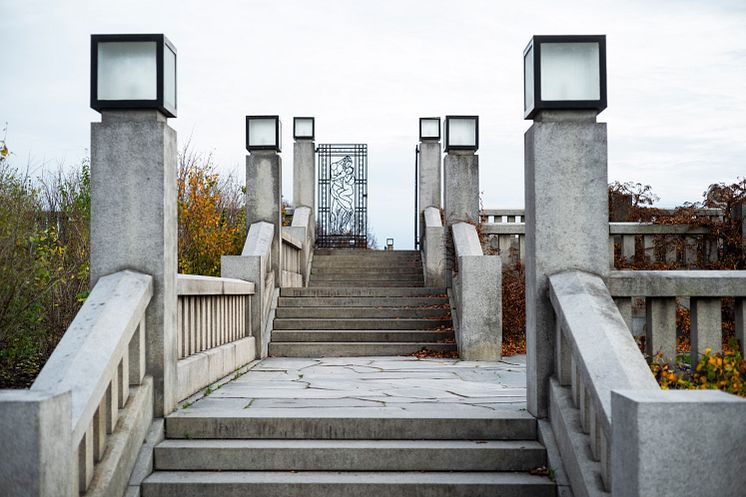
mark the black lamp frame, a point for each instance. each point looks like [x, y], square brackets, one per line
[539, 103]
[162, 43]
[278, 135]
[448, 147]
[430, 138]
[313, 129]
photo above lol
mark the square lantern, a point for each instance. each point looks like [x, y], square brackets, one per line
[389, 244]
[304, 128]
[133, 71]
[564, 73]
[429, 129]
[462, 133]
[263, 133]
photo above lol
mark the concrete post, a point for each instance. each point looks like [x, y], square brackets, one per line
[304, 174]
[35, 438]
[706, 326]
[133, 225]
[676, 442]
[660, 316]
[264, 199]
[461, 175]
[567, 225]
[429, 186]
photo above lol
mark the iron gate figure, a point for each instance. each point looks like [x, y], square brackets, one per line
[343, 196]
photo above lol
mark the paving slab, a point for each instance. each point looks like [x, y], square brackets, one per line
[370, 386]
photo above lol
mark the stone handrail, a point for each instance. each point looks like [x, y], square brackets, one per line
[660, 289]
[303, 228]
[477, 297]
[292, 256]
[433, 248]
[99, 357]
[594, 354]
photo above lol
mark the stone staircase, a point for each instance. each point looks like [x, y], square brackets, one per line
[396, 427]
[294, 456]
[362, 303]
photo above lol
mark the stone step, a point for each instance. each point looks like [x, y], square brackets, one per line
[345, 484]
[353, 349]
[361, 283]
[364, 253]
[388, 336]
[348, 455]
[363, 292]
[401, 302]
[361, 312]
[415, 279]
[446, 422]
[366, 271]
[360, 324]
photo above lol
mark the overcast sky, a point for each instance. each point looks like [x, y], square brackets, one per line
[368, 70]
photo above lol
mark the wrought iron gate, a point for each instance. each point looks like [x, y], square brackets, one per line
[342, 218]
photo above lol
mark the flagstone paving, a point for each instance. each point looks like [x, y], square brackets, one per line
[374, 385]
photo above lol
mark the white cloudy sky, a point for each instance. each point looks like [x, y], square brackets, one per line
[368, 70]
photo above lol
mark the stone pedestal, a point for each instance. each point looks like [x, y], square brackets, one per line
[36, 443]
[461, 178]
[264, 199]
[133, 225]
[677, 442]
[429, 183]
[567, 225]
[304, 174]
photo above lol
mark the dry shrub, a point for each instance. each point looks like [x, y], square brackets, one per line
[514, 310]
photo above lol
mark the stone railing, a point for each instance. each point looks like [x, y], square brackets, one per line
[504, 234]
[91, 405]
[477, 297]
[615, 429]
[255, 265]
[292, 255]
[660, 289]
[213, 330]
[301, 230]
[433, 249]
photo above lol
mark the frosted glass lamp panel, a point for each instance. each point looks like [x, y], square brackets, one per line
[262, 132]
[528, 75]
[462, 132]
[127, 71]
[430, 128]
[169, 78]
[570, 71]
[304, 128]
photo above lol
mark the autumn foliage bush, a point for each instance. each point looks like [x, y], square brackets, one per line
[720, 370]
[44, 249]
[43, 263]
[212, 220]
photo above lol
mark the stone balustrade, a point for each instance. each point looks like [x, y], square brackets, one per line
[616, 430]
[504, 233]
[594, 354]
[255, 265]
[92, 403]
[213, 330]
[660, 289]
